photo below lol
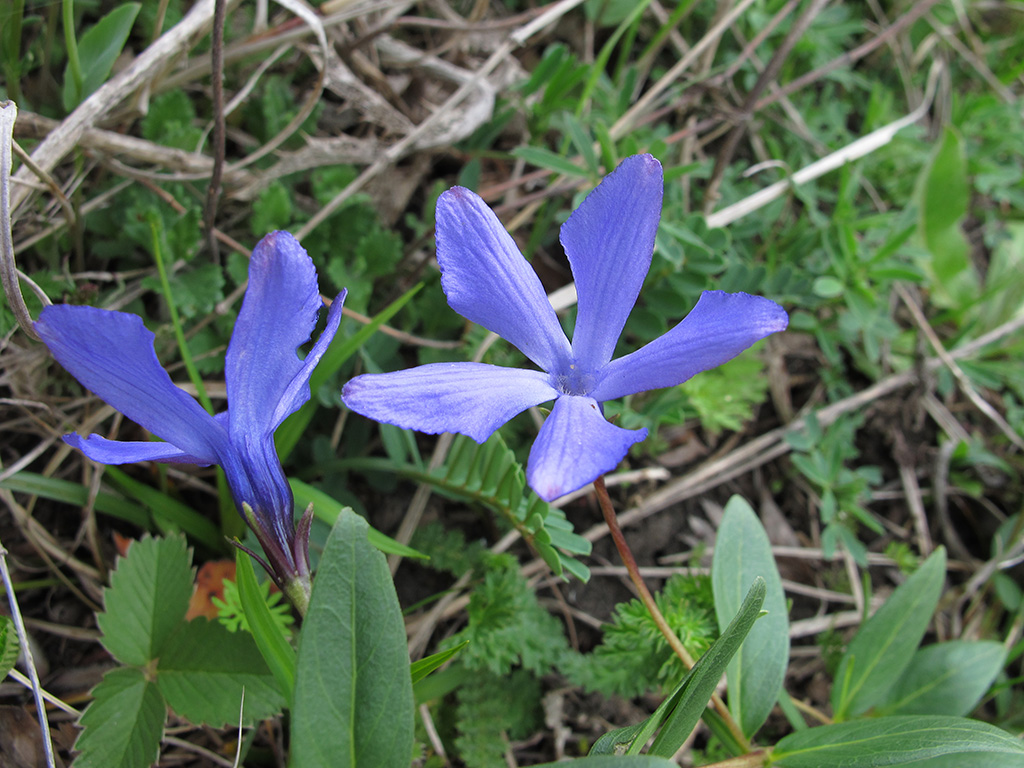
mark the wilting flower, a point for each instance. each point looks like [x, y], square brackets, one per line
[609, 240]
[112, 354]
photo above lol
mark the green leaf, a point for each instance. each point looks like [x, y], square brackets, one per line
[98, 49]
[77, 495]
[9, 646]
[167, 510]
[901, 740]
[203, 669]
[947, 678]
[124, 723]
[681, 710]
[353, 692]
[606, 761]
[270, 638]
[883, 647]
[420, 669]
[755, 674]
[545, 158]
[944, 193]
[147, 599]
[328, 509]
[707, 672]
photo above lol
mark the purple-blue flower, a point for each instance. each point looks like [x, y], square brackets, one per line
[112, 354]
[609, 241]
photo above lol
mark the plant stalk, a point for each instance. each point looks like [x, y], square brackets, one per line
[652, 607]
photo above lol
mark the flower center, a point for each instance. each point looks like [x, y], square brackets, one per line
[575, 381]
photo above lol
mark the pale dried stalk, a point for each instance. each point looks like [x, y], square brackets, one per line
[26, 649]
[398, 149]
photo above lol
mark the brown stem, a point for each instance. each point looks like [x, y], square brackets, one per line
[652, 607]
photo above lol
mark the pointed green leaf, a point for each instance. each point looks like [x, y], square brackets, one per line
[204, 668]
[270, 638]
[947, 678]
[420, 669]
[327, 508]
[944, 193]
[171, 512]
[608, 761]
[756, 672]
[883, 647]
[901, 740]
[353, 692]
[9, 646]
[545, 158]
[147, 599]
[701, 682]
[98, 50]
[77, 495]
[681, 709]
[124, 723]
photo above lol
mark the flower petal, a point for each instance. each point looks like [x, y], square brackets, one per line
[487, 280]
[718, 328]
[256, 478]
[575, 446]
[105, 451]
[266, 380]
[472, 399]
[609, 240]
[111, 354]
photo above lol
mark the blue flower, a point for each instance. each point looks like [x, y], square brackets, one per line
[609, 241]
[111, 353]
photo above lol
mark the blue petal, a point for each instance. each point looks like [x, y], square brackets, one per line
[256, 478]
[717, 329]
[105, 451]
[575, 446]
[487, 280]
[473, 399]
[111, 354]
[609, 240]
[266, 380]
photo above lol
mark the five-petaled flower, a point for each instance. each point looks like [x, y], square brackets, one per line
[112, 354]
[609, 241]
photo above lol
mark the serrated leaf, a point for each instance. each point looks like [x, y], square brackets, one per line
[97, 51]
[884, 645]
[147, 599]
[947, 678]
[124, 723]
[204, 668]
[901, 740]
[9, 646]
[268, 634]
[353, 703]
[756, 673]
